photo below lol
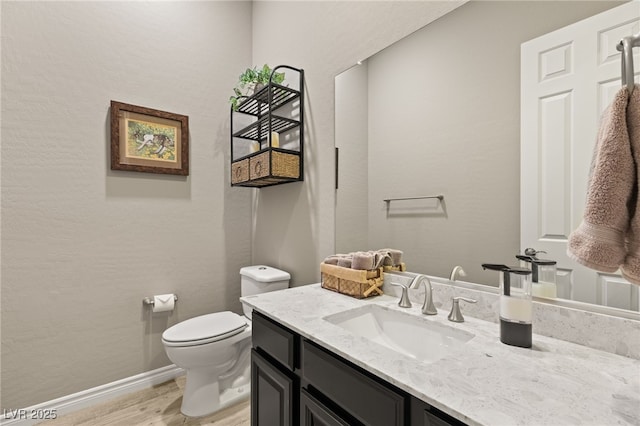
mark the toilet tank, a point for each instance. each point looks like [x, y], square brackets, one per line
[261, 279]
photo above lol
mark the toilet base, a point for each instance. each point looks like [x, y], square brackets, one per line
[202, 396]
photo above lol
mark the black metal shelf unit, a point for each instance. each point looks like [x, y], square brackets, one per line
[269, 120]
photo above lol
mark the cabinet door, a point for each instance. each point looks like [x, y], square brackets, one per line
[422, 414]
[272, 394]
[314, 413]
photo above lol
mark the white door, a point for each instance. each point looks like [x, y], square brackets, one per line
[568, 78]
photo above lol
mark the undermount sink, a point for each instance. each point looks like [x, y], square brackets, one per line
[416, 337]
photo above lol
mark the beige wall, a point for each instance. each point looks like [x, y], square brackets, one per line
[81, 244]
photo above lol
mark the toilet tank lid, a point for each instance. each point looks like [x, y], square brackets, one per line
[264, 274]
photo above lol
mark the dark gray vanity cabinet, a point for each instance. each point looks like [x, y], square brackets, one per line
[295, 381]
[275, 385]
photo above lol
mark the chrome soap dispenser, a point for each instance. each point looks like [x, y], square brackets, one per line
[516, 307]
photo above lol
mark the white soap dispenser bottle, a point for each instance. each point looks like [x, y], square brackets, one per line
[516, 307]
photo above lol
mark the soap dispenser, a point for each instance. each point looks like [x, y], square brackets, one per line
[516, 307]
[543, 274]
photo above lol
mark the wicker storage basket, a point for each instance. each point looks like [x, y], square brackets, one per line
[352, 282]
[240, 171]
[282, 165]
[399, 268]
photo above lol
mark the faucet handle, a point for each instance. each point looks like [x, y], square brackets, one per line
[456, 315]
[404, 301]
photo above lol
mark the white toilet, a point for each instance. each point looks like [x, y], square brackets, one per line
[215, 349]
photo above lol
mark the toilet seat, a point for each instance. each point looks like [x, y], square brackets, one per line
[205, 329]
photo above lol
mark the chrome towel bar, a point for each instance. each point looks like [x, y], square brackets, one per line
[626, 46]
[439, 197]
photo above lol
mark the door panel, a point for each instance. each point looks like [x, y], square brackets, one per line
[271, 394]
[314, 413]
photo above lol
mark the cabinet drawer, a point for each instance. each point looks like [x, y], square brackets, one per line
[274, 339]
[366, 399]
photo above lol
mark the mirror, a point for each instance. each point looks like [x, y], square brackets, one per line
[438, 113]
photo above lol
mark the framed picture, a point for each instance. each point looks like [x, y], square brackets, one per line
[148, 140]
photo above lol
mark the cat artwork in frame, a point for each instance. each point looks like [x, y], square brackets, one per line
[149, 140]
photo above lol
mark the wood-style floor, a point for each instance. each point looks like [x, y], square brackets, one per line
[159, 405]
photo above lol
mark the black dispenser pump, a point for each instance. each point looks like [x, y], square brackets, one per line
[506, 281]
[506, 277]
[534, 266]
[515, 304]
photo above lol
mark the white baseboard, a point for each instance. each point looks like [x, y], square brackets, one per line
[87, 398]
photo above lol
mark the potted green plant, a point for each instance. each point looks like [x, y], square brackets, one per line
[251, 81]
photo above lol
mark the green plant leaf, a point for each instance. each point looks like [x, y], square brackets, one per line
[251, 76]
[278, 77]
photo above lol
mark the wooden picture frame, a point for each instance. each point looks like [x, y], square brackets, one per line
[148, 140]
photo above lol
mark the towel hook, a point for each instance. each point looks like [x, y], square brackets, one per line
[626, 46]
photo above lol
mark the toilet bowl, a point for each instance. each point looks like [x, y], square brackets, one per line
[215, 349]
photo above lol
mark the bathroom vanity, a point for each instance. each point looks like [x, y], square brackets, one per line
[295, 379]
[309, 368]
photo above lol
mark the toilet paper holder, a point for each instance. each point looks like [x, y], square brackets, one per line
[149, 300]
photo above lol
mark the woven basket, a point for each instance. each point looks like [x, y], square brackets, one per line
[398, 268]
[286, 165]
[240, 171]
[282, 165]
[352, 282]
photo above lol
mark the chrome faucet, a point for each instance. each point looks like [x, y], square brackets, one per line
[427, 307]
[456, 272]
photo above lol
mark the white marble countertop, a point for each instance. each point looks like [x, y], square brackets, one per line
[484, 383]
